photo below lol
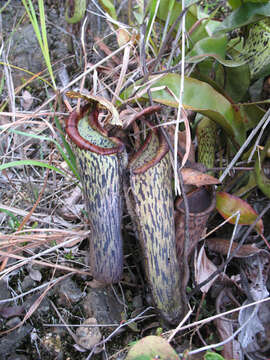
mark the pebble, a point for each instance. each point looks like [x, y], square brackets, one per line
[69, 293]
[27, 283]
[10, 342]
[137, 302]
[103, 306]
[17, 357]
[4, 292]
[13, 322]
[88, 336]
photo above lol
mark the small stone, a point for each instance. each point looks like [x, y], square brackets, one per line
[103, 306]
[11, 341]
[13, 322]
[137, 302]
[69, 293]
[88, 337]
[44, 306]
[17, 357]
[27, 283]
[4, 292]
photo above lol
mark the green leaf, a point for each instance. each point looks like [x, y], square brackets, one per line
[247, 13]
[9, 213]
[236, 81]
[152, 347]
[236, 3]
[198, 96]
[69, 159]
[31, 162]
[213, 356]
[261, 176]
[211, 47]
[228, 204]
[190, 19]
[252, 114]
[109, 8]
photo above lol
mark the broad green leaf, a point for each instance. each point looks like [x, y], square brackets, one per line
[109, 8]
[228, 204]
[198, 96]
[261, 175]
[211, 47]
[138, 11]
[213, 356]
[232, 82]
[236, 81]
[31, 162]
[190, 19]
[247, 13]
[252, 113]
[152, 347]
[153, 4]
[236, 3]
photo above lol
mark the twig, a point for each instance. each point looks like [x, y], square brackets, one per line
[28, 292]
[74, 337]
[214, 317]
[32, 258]
[116, 331]
[226, 262]
[228, 339]
[265, 119]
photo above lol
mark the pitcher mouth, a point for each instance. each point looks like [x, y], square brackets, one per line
[90, 114]
[201, 201]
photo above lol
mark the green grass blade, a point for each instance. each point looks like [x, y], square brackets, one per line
[70, 159]
[41, 35]
[46, 53]
[33, 163]
[68, 148]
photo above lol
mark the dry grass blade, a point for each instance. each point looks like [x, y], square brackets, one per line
[123, 73]
[262, 123]
[180, 109]
[33, 259]
[4, 262]
[43, 263]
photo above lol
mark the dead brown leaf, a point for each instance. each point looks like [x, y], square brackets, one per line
[197, 178]
[222, 246]
[203, 269]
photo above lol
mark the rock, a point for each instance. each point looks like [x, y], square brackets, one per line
[10, 342]
[88, 336]
[69, 293]
[103, 306]
[13, 322]
[4, 292]
[44, 306]
[17, 357]
[137, 302]
[27, 283]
